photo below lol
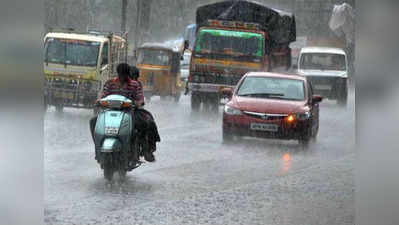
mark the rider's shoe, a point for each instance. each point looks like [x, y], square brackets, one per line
[149, 157]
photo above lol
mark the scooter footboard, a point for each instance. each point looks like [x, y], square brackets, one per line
[111, 145]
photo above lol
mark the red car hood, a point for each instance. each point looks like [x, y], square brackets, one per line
[268, 105]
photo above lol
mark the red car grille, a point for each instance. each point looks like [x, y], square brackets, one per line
[266, 116]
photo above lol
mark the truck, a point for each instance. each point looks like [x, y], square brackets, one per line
[233, 38]
[77, 64]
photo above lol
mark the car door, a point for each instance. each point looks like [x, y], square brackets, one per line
[314, 110]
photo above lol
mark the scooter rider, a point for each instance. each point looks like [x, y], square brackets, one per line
[123, 85]
[144, 115]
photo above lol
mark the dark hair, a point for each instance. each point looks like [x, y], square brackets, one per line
[123, 69]
[134, 73]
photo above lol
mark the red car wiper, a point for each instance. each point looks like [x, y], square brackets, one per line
[263, 94]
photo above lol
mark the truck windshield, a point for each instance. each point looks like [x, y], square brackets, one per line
[323, 61]
[273, 88]
[229, 42]
[72, 52]
[153, 57]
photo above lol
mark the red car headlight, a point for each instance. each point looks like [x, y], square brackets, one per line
[232, 111]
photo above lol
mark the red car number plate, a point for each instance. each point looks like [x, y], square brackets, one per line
[264, 127]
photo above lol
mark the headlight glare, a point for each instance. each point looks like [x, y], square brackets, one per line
[232, 111]
[303, 116]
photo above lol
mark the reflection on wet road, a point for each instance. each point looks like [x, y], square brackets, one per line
[199, 180]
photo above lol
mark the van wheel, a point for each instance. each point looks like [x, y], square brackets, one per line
[343, 95]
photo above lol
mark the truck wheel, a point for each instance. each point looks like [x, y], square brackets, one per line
[195, 102]
[343, 95]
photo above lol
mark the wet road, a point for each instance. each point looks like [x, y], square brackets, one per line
[199, 180]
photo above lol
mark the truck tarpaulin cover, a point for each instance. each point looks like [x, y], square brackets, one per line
[279, 25]
[343, 21]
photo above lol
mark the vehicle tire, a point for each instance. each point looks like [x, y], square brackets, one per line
[343, 95]
[108, 167]
[122, 174]
[195, 102]
[304, 143]
[227, 137]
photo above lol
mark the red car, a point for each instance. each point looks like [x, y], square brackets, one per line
[270, 105]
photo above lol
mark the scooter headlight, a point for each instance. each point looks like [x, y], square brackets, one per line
[111, 131]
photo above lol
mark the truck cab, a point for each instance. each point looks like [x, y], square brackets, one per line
[77, 64]
[327, 70]
[233, 38]
[223, 52]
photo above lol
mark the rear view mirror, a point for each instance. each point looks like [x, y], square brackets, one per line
[317, 99]
[227, 93]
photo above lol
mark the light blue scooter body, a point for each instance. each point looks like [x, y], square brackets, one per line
[119, 122]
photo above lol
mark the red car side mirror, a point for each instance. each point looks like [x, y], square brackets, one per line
[227, 93]
[317, 99]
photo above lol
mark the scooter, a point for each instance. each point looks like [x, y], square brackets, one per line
[117, 146]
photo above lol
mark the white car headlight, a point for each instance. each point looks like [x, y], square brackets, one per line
[232, 111]
[303, 116]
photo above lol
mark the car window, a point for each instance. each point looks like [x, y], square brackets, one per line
[323, 61]
[271, 87]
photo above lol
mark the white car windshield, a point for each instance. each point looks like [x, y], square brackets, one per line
[323, 61]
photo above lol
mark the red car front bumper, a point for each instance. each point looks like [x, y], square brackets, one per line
[240, 125]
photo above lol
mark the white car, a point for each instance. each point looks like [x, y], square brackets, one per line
[327, 70]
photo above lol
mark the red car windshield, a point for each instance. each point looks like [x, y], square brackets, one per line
[273, 88]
